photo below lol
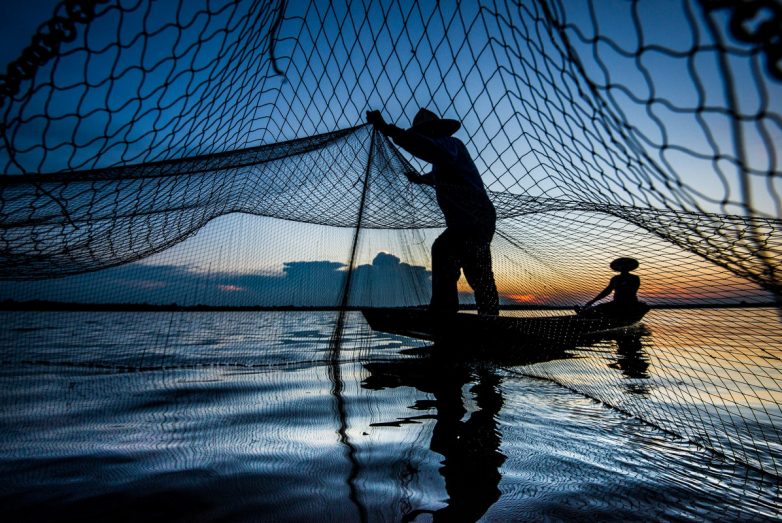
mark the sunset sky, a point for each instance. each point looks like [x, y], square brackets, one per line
[513, 135]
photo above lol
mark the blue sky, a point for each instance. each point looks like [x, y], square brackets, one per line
[522, 117]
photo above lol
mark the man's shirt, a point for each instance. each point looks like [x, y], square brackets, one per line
[457, 183]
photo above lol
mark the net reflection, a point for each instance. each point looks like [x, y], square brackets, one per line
[465, 431]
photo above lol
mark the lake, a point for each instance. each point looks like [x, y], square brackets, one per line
[255, 416]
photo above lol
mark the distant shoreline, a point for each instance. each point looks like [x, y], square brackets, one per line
[42, 306]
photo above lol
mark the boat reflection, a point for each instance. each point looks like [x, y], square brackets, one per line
[465, 432]
[470, 447]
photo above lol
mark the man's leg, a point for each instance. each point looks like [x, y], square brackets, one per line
[445, 273]
[477, 269]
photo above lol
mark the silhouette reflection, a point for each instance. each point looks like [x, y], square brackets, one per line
[470, 448]
[632, 359]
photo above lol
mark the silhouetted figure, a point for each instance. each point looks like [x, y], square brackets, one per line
[469, 214]
[625, 288]
[470, 448]
[632, 361]
[631, 357]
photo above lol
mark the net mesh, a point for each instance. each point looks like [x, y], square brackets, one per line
[223, 144]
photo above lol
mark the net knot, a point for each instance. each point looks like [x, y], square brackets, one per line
[757, 23]
[46, 43]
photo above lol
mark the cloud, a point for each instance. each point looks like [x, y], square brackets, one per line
[389, 281]
[230, 288]
[385, 281]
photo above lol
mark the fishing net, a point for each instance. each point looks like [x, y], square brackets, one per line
[213, 153]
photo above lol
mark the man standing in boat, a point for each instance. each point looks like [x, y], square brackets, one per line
[470, 217]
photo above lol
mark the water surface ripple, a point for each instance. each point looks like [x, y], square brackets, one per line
[236, 417]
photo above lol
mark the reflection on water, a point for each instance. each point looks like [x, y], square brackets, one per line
[702, 374]
[248, 416]
[470, 447]
[631, 358]
[632, 361]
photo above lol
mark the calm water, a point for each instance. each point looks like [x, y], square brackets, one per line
[251, 417]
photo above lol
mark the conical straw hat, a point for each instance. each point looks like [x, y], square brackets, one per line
[624, 264]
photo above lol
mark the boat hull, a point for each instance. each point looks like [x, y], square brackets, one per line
[500, 331]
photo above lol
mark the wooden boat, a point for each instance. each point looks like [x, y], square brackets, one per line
[472, 330]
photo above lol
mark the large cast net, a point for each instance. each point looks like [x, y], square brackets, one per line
[215, 153]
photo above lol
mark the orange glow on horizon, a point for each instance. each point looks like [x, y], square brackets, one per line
[521, 298]
[679, 278]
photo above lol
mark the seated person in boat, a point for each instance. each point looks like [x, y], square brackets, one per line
[625, 288]
[469, 214]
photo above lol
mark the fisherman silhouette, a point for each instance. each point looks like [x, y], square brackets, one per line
[469, 214]
[469, 442]
[625, 288]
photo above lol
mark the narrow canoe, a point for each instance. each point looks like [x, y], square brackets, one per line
[472, 329]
